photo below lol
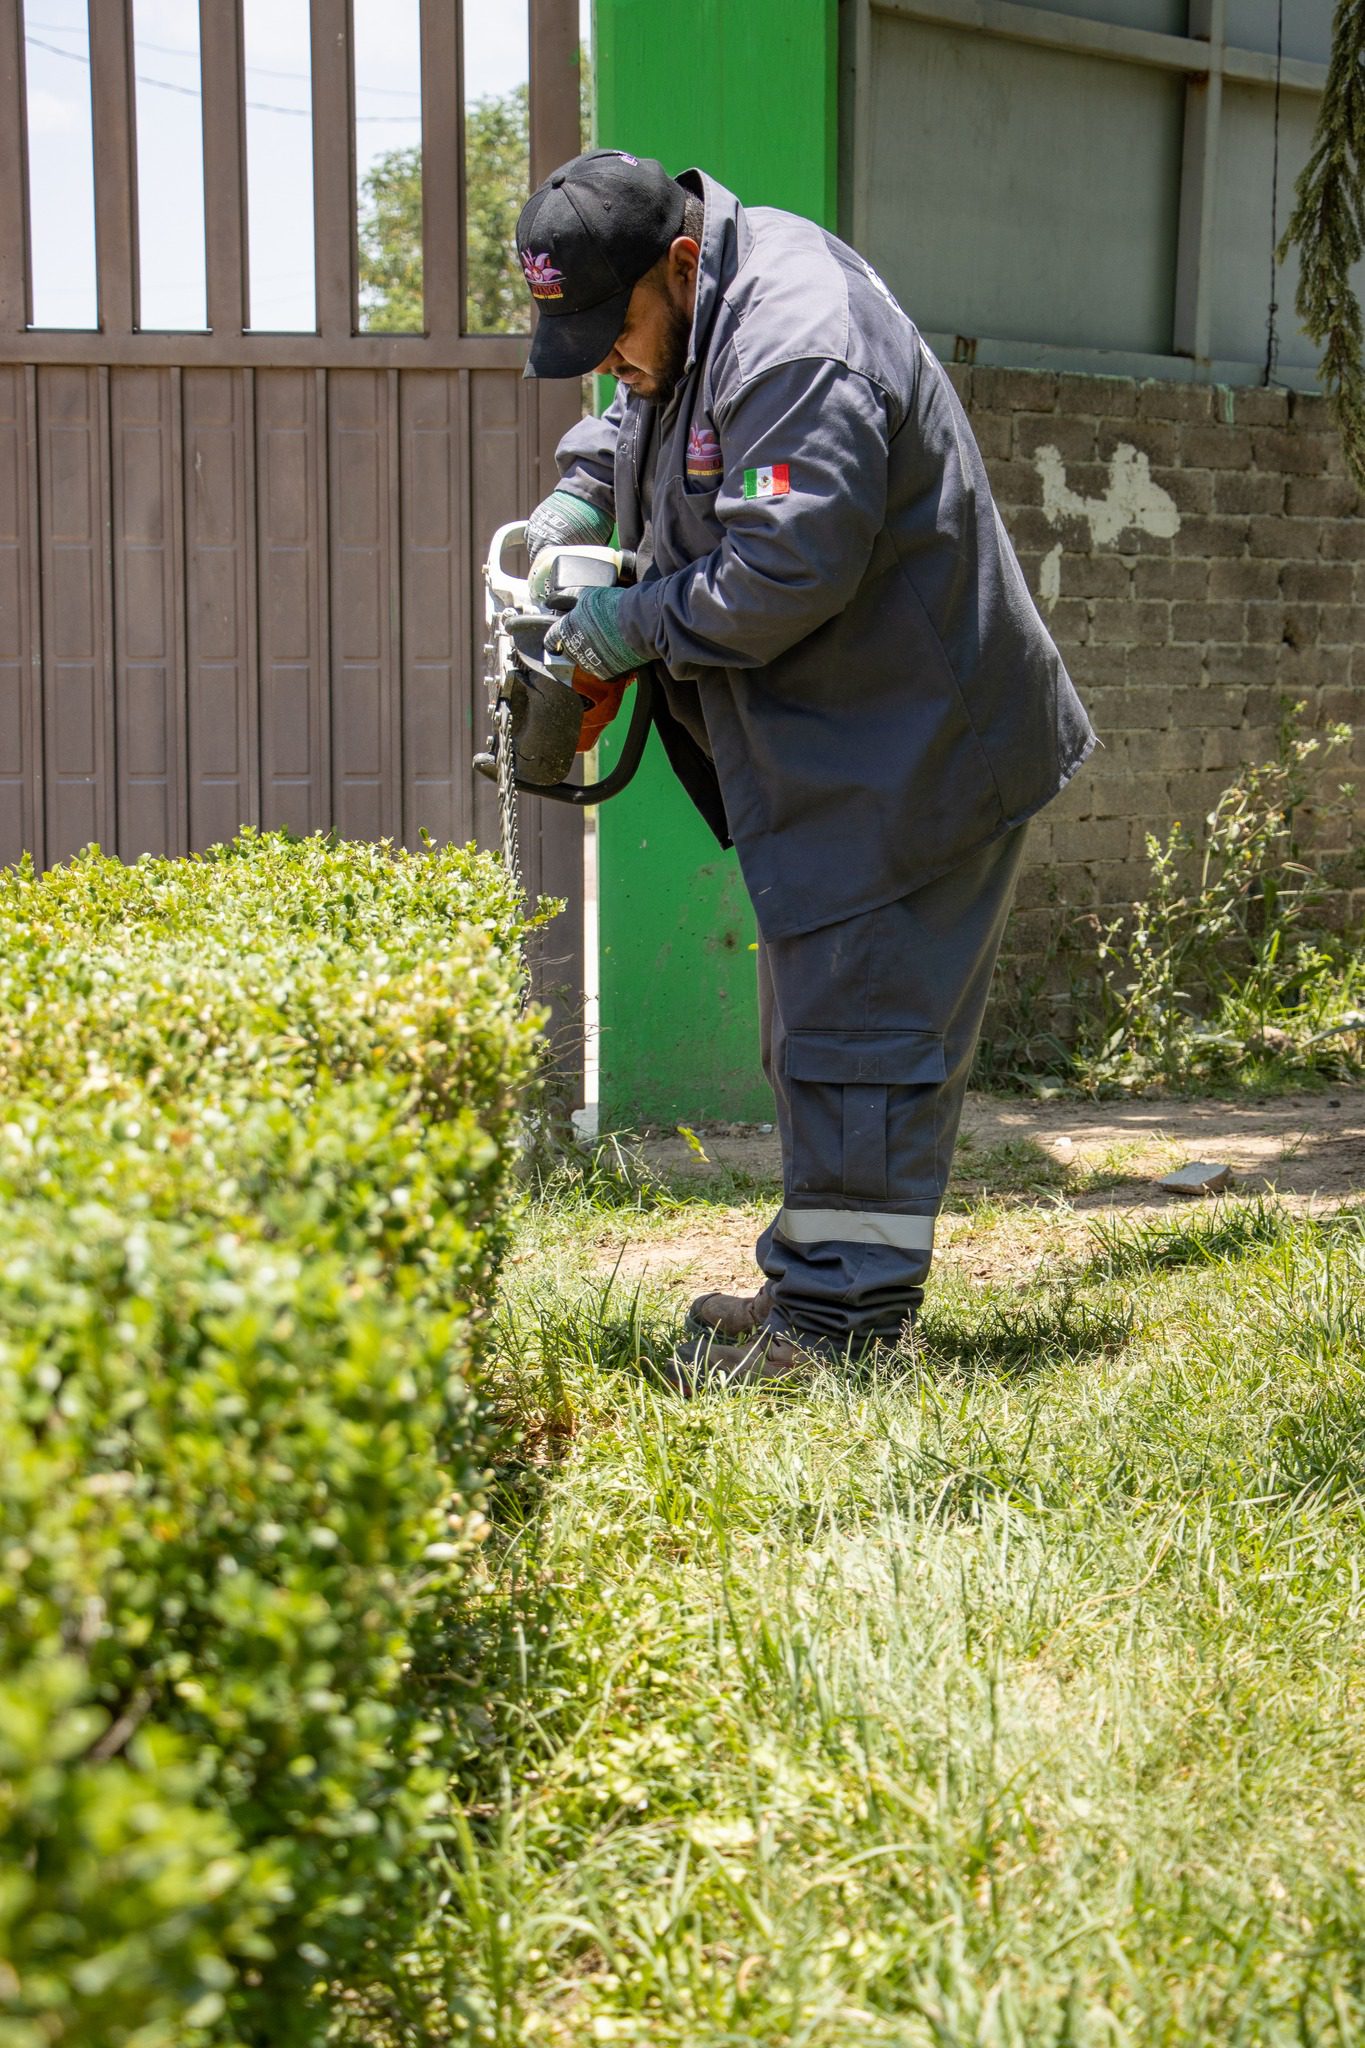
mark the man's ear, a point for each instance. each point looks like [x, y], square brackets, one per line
[684, 256]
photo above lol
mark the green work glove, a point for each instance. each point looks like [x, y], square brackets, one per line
[592, 635]
[565, 521]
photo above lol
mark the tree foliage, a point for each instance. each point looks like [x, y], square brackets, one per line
[497, 170]
[391, 243]
[1328, 227]
[497, 131]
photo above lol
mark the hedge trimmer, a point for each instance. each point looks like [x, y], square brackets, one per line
[541, 706]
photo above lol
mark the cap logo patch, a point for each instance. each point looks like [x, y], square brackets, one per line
[545, 281]
[772, 482]
[704, 464]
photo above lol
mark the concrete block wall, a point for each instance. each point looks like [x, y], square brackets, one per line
[1199, 554]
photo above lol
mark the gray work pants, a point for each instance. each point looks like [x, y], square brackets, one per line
[868, 1030]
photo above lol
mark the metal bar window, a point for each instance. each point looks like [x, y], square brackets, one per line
[111, 98]
[220, 37]
[556, 119]
[15, 311]
[334, 167]
[442, 167]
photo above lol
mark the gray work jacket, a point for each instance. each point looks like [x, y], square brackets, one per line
[843, 627]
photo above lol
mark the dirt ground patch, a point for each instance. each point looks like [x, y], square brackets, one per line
[1301, 1146]
[1053, 1168]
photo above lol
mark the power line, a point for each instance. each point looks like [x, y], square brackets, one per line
[192, 92]
[401, 92]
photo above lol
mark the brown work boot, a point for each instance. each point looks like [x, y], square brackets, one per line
[709, 1362]
[730, 1315]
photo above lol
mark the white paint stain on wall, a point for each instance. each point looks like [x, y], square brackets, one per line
[1131, 500]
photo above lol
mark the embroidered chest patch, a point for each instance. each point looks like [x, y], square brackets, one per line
[545, 281]
[772, 482]
[704, 464]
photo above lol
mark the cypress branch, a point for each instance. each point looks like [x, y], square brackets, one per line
[1328, 226]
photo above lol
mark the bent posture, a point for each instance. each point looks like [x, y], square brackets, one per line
[855, 689]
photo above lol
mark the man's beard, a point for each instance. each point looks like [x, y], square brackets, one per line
[660, 385]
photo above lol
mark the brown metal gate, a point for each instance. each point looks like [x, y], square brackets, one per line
[239, 572]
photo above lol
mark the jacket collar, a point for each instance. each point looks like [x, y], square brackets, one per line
[719, 255]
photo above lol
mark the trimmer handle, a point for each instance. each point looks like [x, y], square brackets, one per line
[532, 593]
[502, 584]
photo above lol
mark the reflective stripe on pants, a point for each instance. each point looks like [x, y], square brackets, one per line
[856, 1226]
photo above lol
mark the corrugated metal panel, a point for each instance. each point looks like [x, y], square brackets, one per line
[363, 552]
[78, 697]
[220, 603]
[1307, 26]
[437, 732]
[1089, 183]
[1164, 17]
[20, 702]
[228, 557]
[291, 525]
[1242, 271]
[1020, 193]
[149, 676]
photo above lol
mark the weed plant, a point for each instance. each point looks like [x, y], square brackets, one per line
[609, 1174]
[1004, 1697]
[1224, 972]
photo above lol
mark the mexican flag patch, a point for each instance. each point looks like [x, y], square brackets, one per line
[772, 482]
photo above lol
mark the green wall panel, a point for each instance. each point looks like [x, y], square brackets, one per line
[747, 89]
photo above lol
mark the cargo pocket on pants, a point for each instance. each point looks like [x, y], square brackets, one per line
[854, 1097]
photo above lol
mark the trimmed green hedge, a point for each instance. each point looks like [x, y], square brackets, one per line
[258, 1133]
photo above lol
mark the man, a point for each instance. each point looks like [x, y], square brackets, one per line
[857, 690]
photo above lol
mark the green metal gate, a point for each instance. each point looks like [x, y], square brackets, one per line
[749, 93]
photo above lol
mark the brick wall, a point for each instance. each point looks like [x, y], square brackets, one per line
[1199, 555]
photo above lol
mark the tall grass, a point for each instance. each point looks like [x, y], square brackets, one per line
[1007, 1696]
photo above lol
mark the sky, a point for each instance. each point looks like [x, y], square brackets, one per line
[170, 153]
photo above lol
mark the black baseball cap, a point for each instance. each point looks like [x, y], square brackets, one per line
[585, 238]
